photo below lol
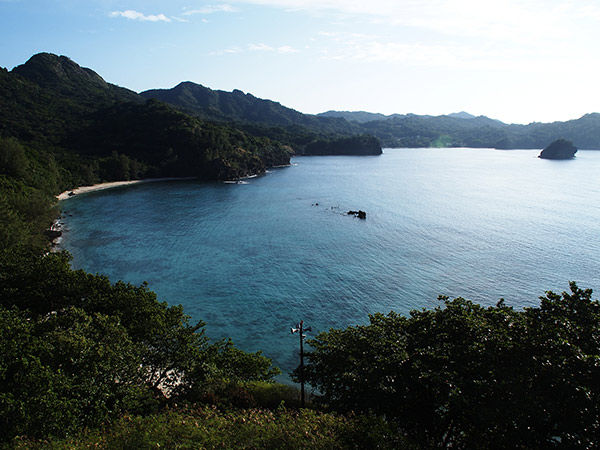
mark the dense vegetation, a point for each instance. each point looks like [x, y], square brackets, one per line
[77, 350]
[28, 181]
[98, 362]
[242, 108]
[268, 119]
[464, 376]
[354, 145]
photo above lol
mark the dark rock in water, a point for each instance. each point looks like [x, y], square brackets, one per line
[559, 149]
[360, 214]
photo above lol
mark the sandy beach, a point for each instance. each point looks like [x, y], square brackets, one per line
[113, 184]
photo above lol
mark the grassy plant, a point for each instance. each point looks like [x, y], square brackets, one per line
[209, 428]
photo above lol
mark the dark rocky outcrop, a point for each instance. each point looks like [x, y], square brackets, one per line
[360, 214]
[559, 149]
[53, 234]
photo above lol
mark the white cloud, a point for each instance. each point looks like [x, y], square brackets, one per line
[267, 48]
[260, 48]
[361, 48]
[135, 15]
[211, 9]
[229, 51]
[286, 49]
[519, 21]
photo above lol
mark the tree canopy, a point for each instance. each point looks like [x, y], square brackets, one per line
[77, 350]
[465, 376]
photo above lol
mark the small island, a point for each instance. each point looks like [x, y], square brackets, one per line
[559, 149]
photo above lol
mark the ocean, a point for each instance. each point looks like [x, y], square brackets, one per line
[252, 259]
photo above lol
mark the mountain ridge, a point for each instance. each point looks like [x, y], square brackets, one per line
[271, 119]
[97, 131]
[64, 76]
[76, 92]
[237, 106]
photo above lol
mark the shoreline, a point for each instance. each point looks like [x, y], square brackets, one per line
[110, 185]
[57, 228]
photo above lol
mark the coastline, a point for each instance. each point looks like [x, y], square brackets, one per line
[112, 184]
[57, 228]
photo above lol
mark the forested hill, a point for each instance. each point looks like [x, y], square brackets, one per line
[466, 130]
[50, 97]
[97, 131]
[446, 131]
[363, 117]
[64, 77]
[272, 119]
[236, 106]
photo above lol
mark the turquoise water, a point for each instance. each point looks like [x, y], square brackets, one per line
[253, 259]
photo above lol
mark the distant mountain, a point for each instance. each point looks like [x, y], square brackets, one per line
[354, 116]
[271, 119]
[583, 132]
[465, 130]
[461, 115]
[363, 116]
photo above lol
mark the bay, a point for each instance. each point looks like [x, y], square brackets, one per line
[252, 259]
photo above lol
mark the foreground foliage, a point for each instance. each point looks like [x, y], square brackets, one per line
[209, 428]
[77, 350]
[465, 376]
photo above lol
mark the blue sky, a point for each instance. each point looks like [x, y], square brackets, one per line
[518, 61]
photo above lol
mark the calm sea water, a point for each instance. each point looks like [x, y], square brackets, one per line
[253, 259]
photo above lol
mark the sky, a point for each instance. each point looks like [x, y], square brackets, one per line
[518, 61]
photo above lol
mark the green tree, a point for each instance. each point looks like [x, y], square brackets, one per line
[471, 377]
[33, 397]
[563, 369]
[13, 161]
[78, 350]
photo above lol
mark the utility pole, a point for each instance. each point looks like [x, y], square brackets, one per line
[300, 329]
